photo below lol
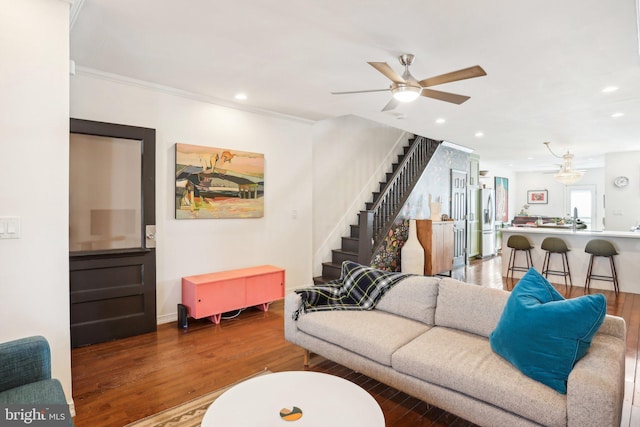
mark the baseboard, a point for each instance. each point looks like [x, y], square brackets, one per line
[167, 318]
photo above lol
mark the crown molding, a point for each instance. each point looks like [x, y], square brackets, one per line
[457, 147]
[76, 5]
[91, 72]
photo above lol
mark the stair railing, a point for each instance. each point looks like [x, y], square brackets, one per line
[376, 222]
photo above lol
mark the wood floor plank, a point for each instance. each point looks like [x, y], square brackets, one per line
[118, 382]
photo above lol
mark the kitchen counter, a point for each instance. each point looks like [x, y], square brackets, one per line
[627, 243]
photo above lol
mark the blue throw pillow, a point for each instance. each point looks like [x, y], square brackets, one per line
[544, 335]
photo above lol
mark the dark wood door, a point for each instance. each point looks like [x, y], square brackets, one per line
[459, 216]
[112, 269]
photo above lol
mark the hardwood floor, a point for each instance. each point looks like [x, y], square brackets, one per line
[118, 382]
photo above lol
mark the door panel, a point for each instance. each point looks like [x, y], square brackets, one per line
[111, 260]
[459, 216]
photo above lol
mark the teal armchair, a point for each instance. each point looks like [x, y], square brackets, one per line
[25, 374]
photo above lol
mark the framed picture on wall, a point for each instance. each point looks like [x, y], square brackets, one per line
[502, 198]
[537, 197]
[218, 183]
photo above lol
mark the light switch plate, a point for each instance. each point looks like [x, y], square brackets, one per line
[9, 227]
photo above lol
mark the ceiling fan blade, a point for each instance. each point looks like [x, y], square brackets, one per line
[444, 96]
[466, 73]
[385, 69]
[359, 91]
[392, 104]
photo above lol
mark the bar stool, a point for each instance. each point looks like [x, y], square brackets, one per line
[554, 245]
[518, 243]
[603, 248]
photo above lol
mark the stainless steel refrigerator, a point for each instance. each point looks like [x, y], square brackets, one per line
[487, 200]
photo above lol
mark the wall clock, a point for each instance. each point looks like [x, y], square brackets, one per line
[621, 181]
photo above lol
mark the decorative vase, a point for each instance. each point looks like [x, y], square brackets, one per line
[412, 253]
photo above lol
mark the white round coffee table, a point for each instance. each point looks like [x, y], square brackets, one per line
[325, 400]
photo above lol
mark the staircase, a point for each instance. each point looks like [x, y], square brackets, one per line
[380, 214]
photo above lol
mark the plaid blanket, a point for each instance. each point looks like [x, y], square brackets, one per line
[358, 288]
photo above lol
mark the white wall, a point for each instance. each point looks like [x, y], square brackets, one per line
[350, 157]
[622, 204]
[34, 135]
[187, 247]
[557, 205]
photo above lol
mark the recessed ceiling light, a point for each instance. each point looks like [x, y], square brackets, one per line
[479, 134]
[616, 115]
[531, 158]
[440, 121]
[609, 89]
[241, 96]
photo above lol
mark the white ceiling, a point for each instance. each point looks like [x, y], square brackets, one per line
[546, 62]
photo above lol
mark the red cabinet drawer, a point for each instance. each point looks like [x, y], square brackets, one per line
[265, 288]
[219, 297]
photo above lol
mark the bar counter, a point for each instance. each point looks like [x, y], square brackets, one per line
[627, 262]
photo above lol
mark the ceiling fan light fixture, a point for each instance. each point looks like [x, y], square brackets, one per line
[405, 93]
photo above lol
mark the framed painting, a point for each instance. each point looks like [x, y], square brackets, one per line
[218, 183]
[502, 198]
[537, 197]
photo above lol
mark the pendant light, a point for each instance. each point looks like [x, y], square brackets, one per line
[566, 175]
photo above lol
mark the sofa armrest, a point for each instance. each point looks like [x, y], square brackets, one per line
[291, 303]
[615, 326]
[24, 361]
[595, 388]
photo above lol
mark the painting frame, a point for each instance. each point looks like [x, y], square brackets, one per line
[537, 197]
[501, 186]
[217, 183]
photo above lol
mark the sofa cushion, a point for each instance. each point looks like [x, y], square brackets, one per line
[414, 297]
[373, 334]
[468, 307]
[464, 362]
[543, 334]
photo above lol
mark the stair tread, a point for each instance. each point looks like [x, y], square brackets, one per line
[318, 280]
[332, 264]
[343, 251]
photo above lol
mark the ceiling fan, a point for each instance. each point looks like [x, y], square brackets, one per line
[407, 88]
[566, 174]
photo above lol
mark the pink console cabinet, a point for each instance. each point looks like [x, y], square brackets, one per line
[210, 295]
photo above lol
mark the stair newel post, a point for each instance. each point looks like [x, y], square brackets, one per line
[365, 238]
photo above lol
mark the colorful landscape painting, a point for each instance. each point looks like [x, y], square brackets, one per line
[502, 199]
[218, 183]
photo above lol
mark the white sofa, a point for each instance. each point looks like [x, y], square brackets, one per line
[429, 338]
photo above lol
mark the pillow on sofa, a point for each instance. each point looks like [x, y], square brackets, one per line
[544, 335]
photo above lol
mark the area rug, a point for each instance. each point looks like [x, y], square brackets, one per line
[188, 414]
